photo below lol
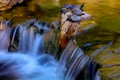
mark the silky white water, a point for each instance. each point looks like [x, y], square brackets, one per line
[4, 34]
[27, 60]
[28, 63]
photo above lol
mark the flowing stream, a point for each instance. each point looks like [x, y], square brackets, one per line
[27, 60]
[4, 34]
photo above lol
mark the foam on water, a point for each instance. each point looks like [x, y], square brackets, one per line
[4, 34]
[21, 66]
[28, 62]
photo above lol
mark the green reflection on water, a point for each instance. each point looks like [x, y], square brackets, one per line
[106, 13]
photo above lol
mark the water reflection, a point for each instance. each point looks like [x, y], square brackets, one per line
[105, 13]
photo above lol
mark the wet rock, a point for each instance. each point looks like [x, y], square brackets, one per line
[85, 16]
[8, 4]
[41, 31]
[14, 39]
[74, 18]
[29, 23]
[42, 26]
[77, 11]
[32, 26]
[64, 17]
[55, 25]
[71, 18]
[64, 10]
[66, 26]
[68, 6]
[81, 6]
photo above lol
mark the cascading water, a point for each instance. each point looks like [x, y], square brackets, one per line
[77, 64]
[26, 58]
[30, 42]
[4, 34]
[28, 62]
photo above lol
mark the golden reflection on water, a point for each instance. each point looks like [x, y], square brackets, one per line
[106, 13]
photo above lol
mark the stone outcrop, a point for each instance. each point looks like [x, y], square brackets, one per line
[8, 4]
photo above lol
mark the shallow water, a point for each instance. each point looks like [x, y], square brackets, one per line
[105, 13]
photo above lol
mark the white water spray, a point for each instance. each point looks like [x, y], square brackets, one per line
[29, 62]
[4, 34]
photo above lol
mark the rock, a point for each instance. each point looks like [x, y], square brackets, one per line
[66, 26]
[55, 25]
[71, 18]
[64, 10]
[74, 18]
[8, 4]
[77, 11]
[64, 17]
[85, 16]
[68, 6]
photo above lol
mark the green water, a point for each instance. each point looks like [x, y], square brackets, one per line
[106, 13]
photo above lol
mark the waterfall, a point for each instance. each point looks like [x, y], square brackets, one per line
[26, 60]
[4, 34]
[77, 63]
[30, 42]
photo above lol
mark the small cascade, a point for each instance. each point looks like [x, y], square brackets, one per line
[23, 39]
[30, 42]
[91, 71]
[26, 46]
[27, 37]
[77, 63]
[4, 34]
[27, 61]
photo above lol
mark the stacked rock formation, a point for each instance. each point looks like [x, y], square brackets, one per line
[71, 16]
